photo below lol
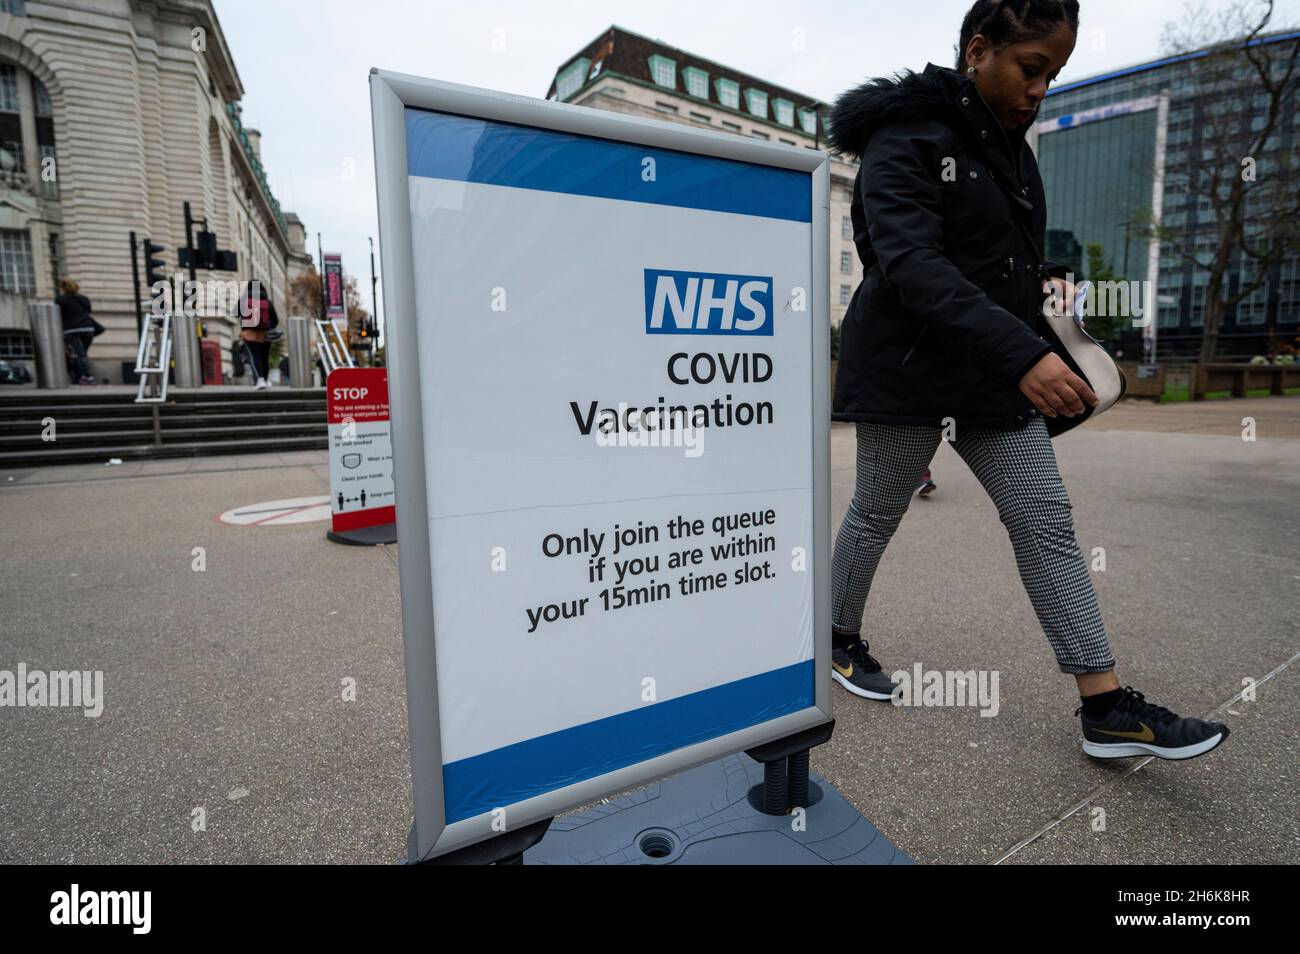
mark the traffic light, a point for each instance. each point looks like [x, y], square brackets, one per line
[153, 263]
[206, 247]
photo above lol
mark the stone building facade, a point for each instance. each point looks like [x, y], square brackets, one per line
[112, 115]
[625, 72]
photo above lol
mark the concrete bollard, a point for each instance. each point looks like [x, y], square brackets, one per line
[299, 340]
[185, 351]
[47, 342]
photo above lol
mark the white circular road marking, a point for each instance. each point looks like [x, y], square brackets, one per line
[279, 513]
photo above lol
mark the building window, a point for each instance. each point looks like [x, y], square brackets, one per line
[1253, 310]
[734, 127]
[846, 227]
[844, 294]
[700, 117]
[42, 96]
[728, 92]
[697, 82]
[846, 263]
[50, 187]
[663, 71]
[808, 120]
[756, 102]
[16, 273]
[16, 346]
[665, 107]
[571, 79]
[8, 88]
[783, 110]
[15, 149]
[15, 8]
[56, 260]
[788, 142]
[759, 135]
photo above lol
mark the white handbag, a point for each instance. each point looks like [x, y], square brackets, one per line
[1083, 353]
[1085, 356]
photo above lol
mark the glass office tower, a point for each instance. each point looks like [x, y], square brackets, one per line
[1120, 149]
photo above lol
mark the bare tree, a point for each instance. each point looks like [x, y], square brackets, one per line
[304, 295]
[1236, 167]
[356, 314]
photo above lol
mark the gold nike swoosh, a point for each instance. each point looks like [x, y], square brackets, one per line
[846, 673]
[1146, 735]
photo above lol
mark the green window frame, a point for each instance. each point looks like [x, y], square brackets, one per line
[728, 92]
[756, 102]
[572, 78]
[696, 81]
[663, 71]
[783, 110]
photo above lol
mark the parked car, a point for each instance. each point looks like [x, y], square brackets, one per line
[14, 374]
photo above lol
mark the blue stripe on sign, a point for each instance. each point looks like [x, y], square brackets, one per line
[463, 149]
[513, 773]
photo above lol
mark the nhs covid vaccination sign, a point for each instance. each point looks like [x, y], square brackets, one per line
[608, 350]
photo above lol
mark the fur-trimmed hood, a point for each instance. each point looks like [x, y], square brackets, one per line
[860, 111]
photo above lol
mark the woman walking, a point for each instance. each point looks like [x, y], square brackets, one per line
[79, 328]
[942, 332]
[257, 319]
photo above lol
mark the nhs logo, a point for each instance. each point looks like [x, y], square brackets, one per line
[707, 303]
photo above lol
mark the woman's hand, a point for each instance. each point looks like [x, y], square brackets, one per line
[1054, 389]
[1060, 296]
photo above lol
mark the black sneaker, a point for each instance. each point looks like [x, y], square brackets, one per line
[1136, 727]
[856, 670]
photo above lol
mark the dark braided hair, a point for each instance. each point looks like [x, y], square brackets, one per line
[1015, 21]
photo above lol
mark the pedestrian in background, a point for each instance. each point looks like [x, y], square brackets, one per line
[257, 317]
[79, 328]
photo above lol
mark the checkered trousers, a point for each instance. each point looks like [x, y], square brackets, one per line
[1018, 470]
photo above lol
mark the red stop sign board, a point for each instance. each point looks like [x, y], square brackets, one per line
[360, 449]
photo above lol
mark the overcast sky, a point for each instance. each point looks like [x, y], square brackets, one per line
[304, 65]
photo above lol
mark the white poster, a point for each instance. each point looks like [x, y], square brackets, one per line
[616, 369]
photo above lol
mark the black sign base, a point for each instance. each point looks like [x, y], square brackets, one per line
[711, 815]
[365, 536]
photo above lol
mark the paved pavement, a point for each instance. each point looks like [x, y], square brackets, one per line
[224, 687]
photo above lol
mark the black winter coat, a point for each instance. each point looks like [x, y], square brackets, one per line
[74, 311]
[945, 320]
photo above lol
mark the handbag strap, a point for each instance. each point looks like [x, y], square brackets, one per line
[1039, 260]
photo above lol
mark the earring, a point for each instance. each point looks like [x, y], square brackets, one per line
[970, 70]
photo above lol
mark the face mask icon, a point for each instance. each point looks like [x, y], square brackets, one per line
[351, 461]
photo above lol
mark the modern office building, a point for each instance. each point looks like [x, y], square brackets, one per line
[112, 115]
[625, 72]
[1119, 149]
